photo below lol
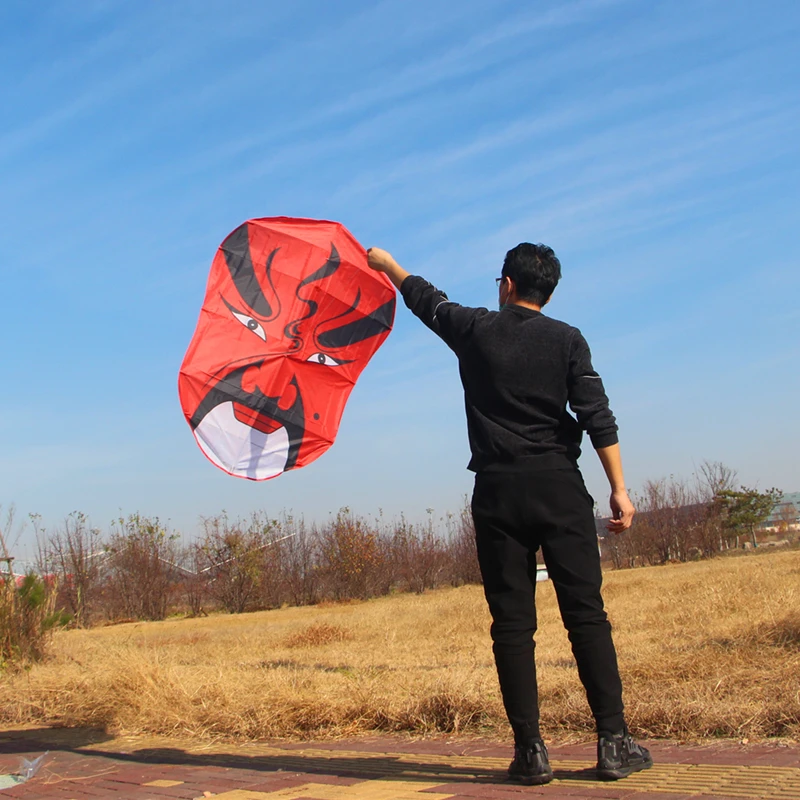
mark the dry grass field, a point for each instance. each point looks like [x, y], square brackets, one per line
[706, 649]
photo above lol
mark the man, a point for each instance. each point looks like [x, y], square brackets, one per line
[520, 369]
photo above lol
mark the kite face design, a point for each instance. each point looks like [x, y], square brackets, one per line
[292, 315]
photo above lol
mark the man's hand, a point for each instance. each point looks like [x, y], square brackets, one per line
[382, 261]
[622, 511]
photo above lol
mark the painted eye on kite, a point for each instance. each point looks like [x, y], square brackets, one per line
[248, 321]
[328, 361]
[251, 324]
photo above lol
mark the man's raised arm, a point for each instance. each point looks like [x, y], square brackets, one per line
[446, 319]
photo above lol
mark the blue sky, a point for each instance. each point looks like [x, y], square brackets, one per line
[653, 145]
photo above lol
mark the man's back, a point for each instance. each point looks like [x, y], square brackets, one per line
[519, 369]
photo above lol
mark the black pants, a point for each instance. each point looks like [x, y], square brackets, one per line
[515, 514]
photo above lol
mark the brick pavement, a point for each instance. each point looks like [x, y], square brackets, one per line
[84, 764]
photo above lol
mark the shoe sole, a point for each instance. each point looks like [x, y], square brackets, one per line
[535, 780]
[618, 774]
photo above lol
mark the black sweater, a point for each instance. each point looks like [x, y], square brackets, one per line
[519, 369]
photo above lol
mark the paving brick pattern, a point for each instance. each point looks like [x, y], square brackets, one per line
[90, 764]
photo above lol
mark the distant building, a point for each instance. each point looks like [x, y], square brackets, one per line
[785, 516]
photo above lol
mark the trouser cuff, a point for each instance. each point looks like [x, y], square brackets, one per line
[525, 732]
[612, 724]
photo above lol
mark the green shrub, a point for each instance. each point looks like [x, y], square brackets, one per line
[27, 619]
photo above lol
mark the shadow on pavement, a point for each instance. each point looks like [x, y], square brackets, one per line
[84, 741]
[383, 766]
[70, 739]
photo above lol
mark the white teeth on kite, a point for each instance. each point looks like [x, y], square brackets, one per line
[239, 449]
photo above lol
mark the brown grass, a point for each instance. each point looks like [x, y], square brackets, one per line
[316, 635]
[706, 649]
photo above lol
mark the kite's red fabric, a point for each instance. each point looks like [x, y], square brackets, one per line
[292, 315]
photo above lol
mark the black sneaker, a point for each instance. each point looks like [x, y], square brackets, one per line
[530, 765]
[619, 756]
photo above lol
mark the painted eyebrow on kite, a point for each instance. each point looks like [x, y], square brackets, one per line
[240, 265]
[379, 321]
[344, 313]
[292, 330]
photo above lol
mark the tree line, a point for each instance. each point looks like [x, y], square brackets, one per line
[141, 570]
[679, 520]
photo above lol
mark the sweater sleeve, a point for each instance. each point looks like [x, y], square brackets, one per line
[448, 320]
[587, 397]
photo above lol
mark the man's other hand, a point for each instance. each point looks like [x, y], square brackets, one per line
[622, 511]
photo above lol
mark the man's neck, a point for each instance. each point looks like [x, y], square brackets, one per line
[525, 304]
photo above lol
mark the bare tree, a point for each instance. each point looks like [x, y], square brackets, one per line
[419, 556]
[654, 522]
[143, 556]
[714, 477]
[74, 554]
[232, 553]
[193, 580]
[464, 567]
[677, 520]
[300, 556]
[350, 556]
[272, 589]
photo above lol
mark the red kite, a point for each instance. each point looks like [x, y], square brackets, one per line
[291, 317]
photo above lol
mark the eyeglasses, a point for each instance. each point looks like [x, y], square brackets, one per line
[498, 281]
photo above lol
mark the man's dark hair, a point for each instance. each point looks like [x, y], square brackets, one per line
[535, 271]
